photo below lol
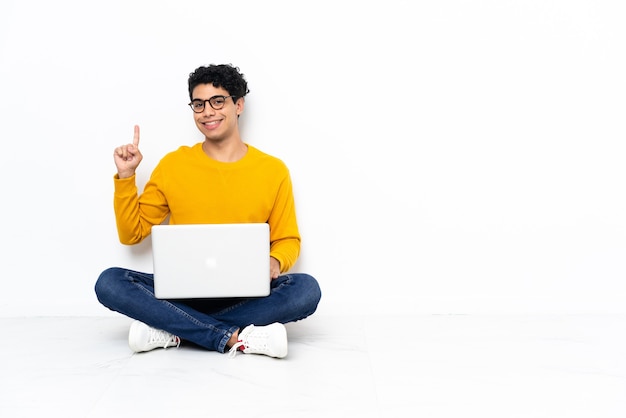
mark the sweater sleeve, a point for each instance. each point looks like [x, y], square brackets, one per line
[135, 216]
[284, 234]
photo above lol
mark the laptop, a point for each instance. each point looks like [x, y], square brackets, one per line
[211, 260]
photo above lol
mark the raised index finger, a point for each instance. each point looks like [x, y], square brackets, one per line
[136, 136]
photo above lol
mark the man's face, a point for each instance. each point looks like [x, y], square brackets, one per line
[217, 125]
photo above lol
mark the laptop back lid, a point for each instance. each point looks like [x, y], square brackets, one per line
[211, 260]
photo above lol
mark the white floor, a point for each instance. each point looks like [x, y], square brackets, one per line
[422, 366]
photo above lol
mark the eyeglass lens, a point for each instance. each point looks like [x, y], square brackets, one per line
[216, 102]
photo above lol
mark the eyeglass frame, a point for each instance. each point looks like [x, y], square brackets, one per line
[190, 104]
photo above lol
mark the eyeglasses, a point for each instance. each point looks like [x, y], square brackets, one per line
[216, 102]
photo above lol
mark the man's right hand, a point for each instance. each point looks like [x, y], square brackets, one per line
[127, 157]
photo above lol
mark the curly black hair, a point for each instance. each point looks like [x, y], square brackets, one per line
[225, 76]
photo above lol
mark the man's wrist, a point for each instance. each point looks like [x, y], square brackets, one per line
[125, 175]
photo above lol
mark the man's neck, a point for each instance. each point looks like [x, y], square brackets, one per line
[225, 151]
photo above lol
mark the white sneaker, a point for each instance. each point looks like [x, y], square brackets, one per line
[144, 338]
[270, 340]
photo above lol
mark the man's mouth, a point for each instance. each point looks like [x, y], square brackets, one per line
[211, 124]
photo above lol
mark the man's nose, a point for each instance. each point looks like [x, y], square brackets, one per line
[208, 109]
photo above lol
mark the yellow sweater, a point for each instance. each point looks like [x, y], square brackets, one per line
[192, 188]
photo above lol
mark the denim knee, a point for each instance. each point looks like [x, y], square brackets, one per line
[106, 283]
[309, 293]
[311, 288]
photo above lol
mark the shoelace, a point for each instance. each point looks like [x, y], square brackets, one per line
[233, 350]
[243, 338]
[158, 336]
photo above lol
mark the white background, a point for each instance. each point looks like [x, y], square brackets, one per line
[447, 156]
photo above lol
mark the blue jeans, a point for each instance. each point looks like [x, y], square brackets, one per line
[208, 323]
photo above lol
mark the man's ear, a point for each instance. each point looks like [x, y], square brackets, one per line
[240, 105]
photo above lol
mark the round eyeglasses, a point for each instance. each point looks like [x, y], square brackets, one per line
[216, 102]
